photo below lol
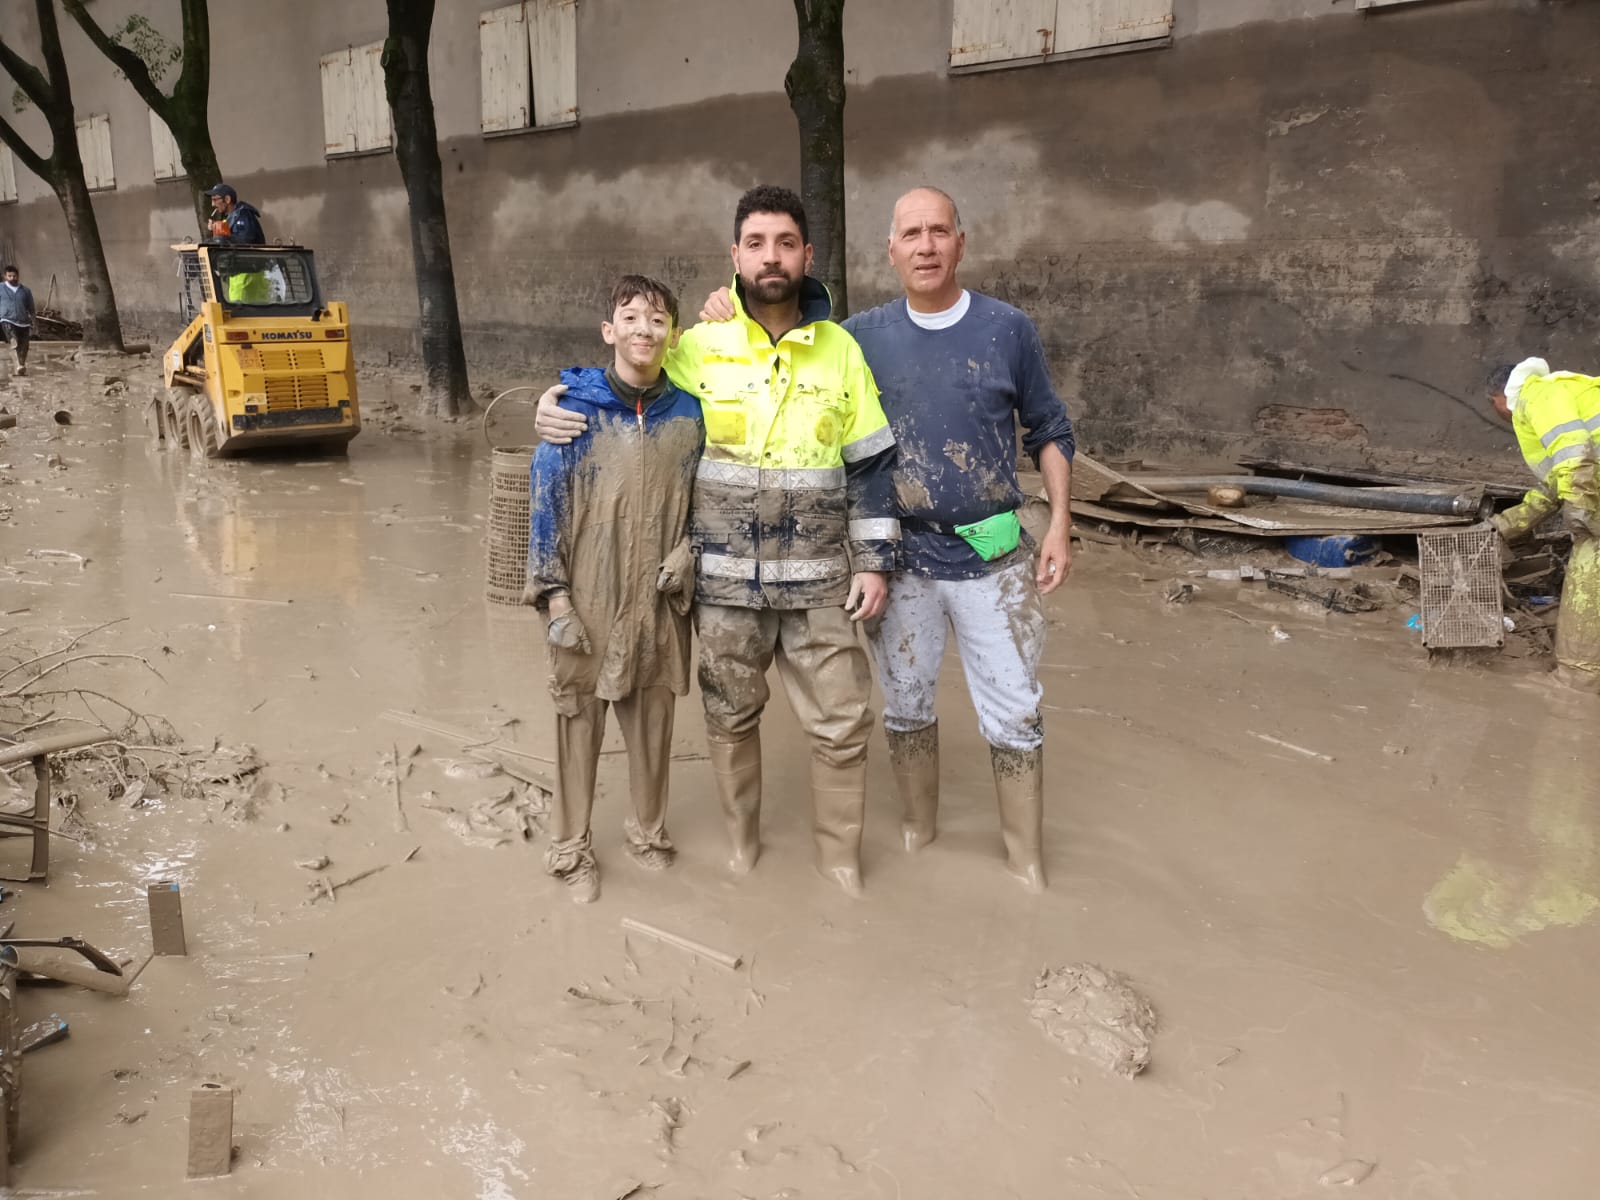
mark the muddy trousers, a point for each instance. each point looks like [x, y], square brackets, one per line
[18, 338]
[646, 719]
[824, 671]
[998, 623]
[1578, 626]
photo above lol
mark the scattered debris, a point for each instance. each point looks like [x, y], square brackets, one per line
[320, 863]
[516, 814]
[722, 958]
[1268, 738]
[42, 1033]
[1348, 1173]
[324, 888]
[1095, 1014]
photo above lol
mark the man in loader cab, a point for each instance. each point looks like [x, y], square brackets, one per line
[239, 223]
[234, 221]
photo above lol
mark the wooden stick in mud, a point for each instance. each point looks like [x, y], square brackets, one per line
[723, 959]
[399, 804]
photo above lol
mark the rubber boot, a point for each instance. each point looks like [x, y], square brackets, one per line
[914, 761]
[839, 797]
[737, 766]
[1019, 786]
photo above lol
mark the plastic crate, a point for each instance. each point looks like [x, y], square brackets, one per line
[1461, 595]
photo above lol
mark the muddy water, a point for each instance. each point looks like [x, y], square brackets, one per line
[1387, 958]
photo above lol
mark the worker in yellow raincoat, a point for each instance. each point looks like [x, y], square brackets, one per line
[1556, 416]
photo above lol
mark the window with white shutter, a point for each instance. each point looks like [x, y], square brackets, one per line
[8, 176]
[94, 147]
[355, 107]
[994, 33]
[529, 65]
[165, 150]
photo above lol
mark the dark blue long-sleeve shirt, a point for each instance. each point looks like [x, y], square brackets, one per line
[953, 397]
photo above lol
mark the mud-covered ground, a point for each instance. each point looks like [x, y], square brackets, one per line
[1387, 958]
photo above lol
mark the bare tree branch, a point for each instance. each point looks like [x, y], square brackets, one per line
[125, 60]
[25, 153]
[29, 78]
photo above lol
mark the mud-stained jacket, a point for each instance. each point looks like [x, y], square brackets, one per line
[1557, 422]
[606, 512]
[795, 491]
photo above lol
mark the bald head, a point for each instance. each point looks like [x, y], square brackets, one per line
[925, 246]
[919, 199]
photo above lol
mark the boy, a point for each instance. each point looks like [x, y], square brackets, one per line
[609, 561]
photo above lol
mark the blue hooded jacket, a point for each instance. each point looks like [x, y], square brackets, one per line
[606, 512]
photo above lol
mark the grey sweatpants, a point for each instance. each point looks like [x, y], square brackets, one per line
[998, 622]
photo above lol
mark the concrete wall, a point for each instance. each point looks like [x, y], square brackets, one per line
[1297, 222]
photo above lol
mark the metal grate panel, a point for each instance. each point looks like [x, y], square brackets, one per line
[1461, 602]
[286, 393]
[509, 503]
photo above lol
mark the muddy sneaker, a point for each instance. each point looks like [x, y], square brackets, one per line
[21, 371]
[573, 863]
[655, 853]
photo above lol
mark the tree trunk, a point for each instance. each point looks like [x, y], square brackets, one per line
[192, 132]
[50, 90]
[815, 84]
[102, 327]
[405, 70]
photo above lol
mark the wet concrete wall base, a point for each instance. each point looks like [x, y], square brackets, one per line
[1300, 233]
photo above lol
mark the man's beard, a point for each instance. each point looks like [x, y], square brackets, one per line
[773, 290]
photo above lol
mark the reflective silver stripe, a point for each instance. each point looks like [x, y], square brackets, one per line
[799, 570]
[727, 566]
[882, 529]
[1541, 468]
[793, 570]
[876, 442]
[1566, 453]
[1550, 436]
[786, 479]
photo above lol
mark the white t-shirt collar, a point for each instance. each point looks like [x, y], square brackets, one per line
[941, 320]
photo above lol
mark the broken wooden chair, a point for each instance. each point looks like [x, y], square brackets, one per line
[37, 824]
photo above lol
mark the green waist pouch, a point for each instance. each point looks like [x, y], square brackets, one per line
[992, 538]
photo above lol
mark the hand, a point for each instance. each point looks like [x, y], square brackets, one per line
[567, 633]
[1055, 559]
[719, 306]
[555, 424]
[675, 578]
[869, 592]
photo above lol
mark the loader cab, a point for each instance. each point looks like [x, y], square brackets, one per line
[249, 281]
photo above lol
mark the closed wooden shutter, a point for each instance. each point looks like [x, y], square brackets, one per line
[985, 31]
[165, 150]
[507, 85]
[94, 147]
[553, 52]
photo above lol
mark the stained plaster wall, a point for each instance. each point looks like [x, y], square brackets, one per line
[1295, 223]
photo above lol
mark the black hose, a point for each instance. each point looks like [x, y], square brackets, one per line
[1471, 502]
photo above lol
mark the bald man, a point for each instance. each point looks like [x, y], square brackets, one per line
[958, 371]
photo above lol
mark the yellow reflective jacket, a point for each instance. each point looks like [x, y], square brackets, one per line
[1557, 423]
[795, 489]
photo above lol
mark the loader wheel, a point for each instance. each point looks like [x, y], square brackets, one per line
[203, 439]
[177, 418]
